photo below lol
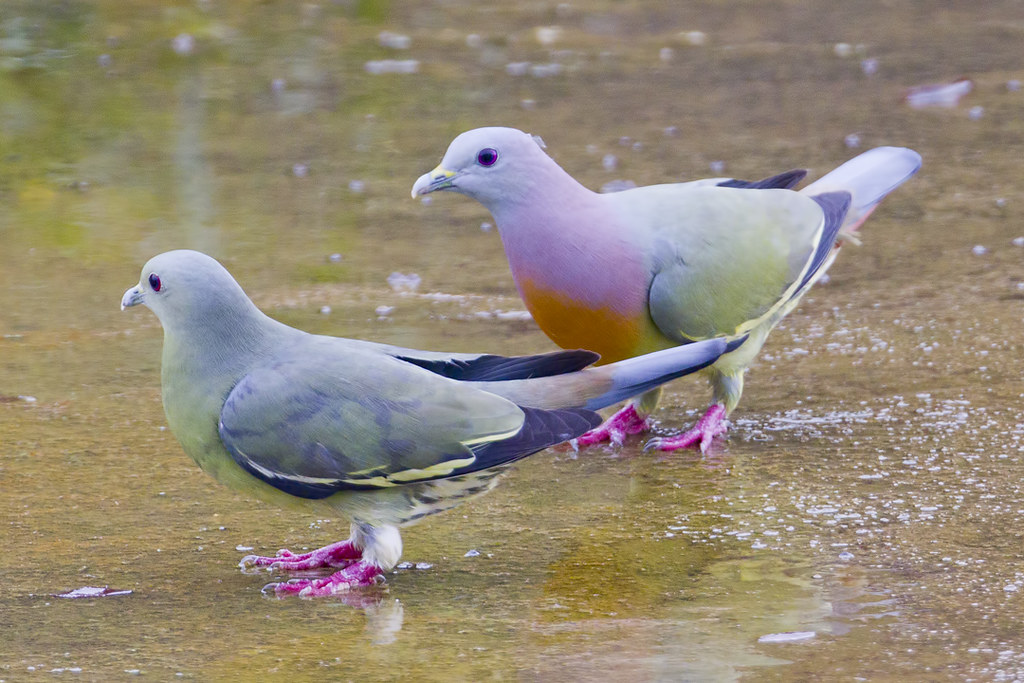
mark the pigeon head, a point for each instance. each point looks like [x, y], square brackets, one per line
[490, 165]
[186, 287]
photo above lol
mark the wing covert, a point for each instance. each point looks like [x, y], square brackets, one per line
[314, 424]
[728, 257]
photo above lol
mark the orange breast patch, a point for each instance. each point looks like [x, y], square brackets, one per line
[573, 325]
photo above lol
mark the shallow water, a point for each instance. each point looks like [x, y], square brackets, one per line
[868, 498]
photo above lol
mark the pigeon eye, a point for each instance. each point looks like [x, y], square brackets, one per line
[154, 282]
[487, 157]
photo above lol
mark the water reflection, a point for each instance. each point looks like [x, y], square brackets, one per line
[884, 425]
[383, 613]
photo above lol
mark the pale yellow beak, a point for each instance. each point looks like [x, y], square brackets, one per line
[438, 179]
[132, 297]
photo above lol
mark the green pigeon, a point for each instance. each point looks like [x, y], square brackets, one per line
[379, 434]
[627, 273]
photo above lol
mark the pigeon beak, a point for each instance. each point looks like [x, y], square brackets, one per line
[438, 179]
[132, 297]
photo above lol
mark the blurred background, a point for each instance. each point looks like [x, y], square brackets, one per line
[863, 518]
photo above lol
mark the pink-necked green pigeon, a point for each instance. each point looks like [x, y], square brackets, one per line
[631, 272]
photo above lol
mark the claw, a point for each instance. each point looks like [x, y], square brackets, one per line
[712, 424]
[336, 555]
[653, 444]
[356, 575]
[615, 429]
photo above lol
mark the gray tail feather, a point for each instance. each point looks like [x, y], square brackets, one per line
[634, 376]
[870, 176]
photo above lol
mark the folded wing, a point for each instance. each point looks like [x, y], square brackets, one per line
[316, 423]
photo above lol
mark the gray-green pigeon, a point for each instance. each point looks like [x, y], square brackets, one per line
[379, 434]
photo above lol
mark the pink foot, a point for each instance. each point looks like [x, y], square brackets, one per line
[353, 576]
[336, 555]
[615, 428]
[712, 424]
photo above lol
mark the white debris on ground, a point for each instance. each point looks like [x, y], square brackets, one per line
[787, 637]
[945, 95]
[401, 282]
[392, 66]
[395, 41]
[93, 592]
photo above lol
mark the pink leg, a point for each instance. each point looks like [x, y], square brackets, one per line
[712, 424]
[615, 428]
[336, 555]
[353, 576]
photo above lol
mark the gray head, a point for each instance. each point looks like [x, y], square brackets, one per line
[490, 165]
[187, 289]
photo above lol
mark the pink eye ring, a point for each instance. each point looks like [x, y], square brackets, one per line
[487, 157]
[154, 282]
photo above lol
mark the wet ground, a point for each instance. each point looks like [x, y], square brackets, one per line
[863, 520]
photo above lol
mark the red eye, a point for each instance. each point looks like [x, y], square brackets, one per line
[487, 157]
[154, 282]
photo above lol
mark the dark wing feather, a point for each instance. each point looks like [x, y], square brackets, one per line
[785, 181]
[835, 205]
[490, 368]
[542, 428]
